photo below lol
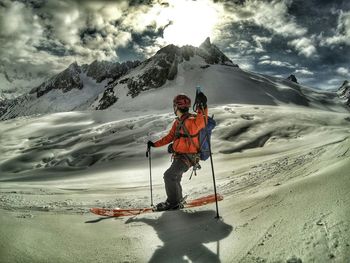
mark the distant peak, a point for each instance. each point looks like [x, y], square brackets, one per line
[74, 65]
[171, 48]
[292, 78]
[206, 43]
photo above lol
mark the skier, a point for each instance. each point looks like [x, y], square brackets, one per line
[185, 146]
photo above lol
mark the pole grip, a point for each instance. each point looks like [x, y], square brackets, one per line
[198, 90]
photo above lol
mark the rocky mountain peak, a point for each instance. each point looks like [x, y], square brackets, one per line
[169, 49]
[292, 78]
[163, 66]
[65, 81]
[213, 55]
[206, 44]
[101, 70]
[74, 66]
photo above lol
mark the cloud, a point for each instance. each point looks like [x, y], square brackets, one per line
[266, 57]
[304, 46]
[260, 42]
[276, 63]
[57, 32]
[345, 72]
[342, 33]
[272, 15]
[48, 35]
[20, 31]
[304, 72]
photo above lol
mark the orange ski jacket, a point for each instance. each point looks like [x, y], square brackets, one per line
[183, 144]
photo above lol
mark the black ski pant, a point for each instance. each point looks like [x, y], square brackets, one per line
[172, 180]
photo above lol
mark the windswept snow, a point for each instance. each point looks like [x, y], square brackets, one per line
[283, 171]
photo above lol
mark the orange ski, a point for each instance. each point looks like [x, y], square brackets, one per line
[118, 212]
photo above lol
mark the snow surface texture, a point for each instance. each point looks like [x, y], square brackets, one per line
[283, 171]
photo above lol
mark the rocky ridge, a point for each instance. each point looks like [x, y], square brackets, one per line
[155, 71]
[70, 78]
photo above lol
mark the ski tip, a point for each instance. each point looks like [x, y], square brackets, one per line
[219, 197]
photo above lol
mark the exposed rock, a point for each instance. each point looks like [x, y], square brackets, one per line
[213, 55]
[108, 99]
[101, 70]
[65, 81]
[292, 78]
[3, 107]
[344, 92]
[163, 66]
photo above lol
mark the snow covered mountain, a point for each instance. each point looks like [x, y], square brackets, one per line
[14, 83]
[131, 87]
[73, 89]
[164, 66]
[71, 78]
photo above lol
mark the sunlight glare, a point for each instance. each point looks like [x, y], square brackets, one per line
[189, 22]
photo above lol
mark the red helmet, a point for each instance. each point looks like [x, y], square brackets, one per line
[181, 101]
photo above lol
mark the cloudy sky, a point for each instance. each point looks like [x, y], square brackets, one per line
[310, 39]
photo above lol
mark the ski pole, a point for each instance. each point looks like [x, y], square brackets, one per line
[212, 167]
[148, 154]
[198, 90]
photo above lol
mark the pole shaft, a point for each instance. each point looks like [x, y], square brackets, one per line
[150, 174]
[212, 166]
[214, 182]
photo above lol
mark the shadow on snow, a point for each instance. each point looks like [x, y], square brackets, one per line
[184, 233]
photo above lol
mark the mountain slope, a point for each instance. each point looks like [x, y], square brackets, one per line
[131, 87]
[162, 67]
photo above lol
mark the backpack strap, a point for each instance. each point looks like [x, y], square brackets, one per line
[186, 134]
[190, 137]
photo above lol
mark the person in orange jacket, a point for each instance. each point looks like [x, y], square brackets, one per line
[184, 136]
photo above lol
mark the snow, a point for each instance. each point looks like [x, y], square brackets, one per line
[283, 172]
[59, 101]
[17, 85]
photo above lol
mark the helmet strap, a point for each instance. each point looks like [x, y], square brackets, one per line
[175, 109]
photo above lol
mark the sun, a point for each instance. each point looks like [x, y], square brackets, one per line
[188, 22]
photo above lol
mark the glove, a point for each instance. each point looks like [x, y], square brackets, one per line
[201, 100]
[150, 144]
[170, 148]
